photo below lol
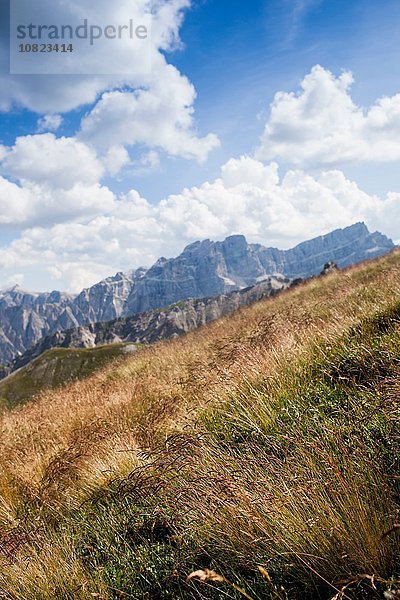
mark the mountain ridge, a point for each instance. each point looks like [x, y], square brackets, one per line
[152, 326]
[204, 269]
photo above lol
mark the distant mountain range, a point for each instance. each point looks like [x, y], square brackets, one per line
[46, 365]
[204, 269]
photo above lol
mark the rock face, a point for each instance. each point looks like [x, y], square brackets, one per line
[25, 317]
[204, 269]
[155, 325]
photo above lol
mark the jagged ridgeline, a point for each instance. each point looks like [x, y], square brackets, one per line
[74, 353]
[256, 457]
[204, 269]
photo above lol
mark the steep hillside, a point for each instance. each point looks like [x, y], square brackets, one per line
[55, 368]
[204, 269]
[257, 457]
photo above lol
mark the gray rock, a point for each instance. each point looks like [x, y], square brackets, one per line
[330, 267]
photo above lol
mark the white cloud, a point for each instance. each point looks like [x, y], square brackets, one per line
[14, 203]
[31, 204]
[115, 158]
[58, 94]
[58, 162]
[248, 198]
[160, 116]
[321, 125]
[150, 159]
[53, 180]
[17, 279]
[49, 123]
[155, 109]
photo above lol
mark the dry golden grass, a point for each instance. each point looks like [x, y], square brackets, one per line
[315, 503]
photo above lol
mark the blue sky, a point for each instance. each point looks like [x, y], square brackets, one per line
[236, 56]
[239, 54]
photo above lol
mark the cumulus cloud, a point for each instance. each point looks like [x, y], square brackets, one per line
[58, 94]
[59, 162]
[115, 158]
[160, 116]
[49, 180]
[31, 204]
[321, 125]
[249, 197]
[154, 108]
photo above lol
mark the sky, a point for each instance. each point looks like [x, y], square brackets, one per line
[277, 119]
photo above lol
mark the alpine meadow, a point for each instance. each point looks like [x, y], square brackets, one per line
[257, 457]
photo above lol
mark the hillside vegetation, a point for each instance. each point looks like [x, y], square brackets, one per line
[257, 457]
[55, 368]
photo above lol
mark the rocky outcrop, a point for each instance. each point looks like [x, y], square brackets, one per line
[330, 267]
[26, 317]
[345, 247]
[211, 268]
[204, 269]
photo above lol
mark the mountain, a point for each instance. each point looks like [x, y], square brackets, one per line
[42, 366]
[204, 269]
[26, 316]
[210, 268]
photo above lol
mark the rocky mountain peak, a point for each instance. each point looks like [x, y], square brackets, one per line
[204, 269]
[238, 242]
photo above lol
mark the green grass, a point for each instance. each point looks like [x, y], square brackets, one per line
[55, 368]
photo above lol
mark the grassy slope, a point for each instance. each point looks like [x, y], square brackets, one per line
[270, 438]
[55, 368]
